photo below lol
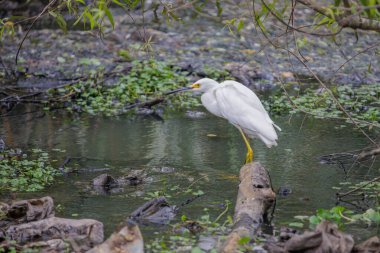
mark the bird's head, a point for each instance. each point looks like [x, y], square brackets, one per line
[204, 85]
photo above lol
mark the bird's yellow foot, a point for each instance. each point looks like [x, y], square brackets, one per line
[249, 156]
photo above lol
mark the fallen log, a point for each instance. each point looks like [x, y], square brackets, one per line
[255, 197]
[57, 228]
[127, 240]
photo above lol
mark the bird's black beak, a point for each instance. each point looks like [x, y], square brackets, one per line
[178, 90]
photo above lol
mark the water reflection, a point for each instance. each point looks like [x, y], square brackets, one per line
[183, 143]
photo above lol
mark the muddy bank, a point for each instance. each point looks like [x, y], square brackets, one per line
[51, 58]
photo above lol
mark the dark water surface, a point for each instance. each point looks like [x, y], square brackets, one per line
[199, 161]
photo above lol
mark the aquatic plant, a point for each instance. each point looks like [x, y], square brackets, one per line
[362, 104]
[26, 173]
[146, 81]
[186, 233]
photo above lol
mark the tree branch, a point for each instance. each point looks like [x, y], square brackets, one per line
[346, 19]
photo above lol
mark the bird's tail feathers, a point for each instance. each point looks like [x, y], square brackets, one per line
[268, 142]
[277, 127]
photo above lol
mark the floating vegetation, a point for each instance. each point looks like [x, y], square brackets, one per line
[147, 80]
[361, 103]
[22, 172]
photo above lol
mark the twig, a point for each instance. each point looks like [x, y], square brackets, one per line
[344, 20]
[363, 155]
[30, 28]
[65, 162]
[148, 103]
[188, 201]
[223, 213]
[341, 195]
[332, 96]
[296, 29]
[358, 53]
[154, 101]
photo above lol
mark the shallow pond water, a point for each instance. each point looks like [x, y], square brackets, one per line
[182, 152]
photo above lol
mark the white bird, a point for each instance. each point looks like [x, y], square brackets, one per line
[241, 107]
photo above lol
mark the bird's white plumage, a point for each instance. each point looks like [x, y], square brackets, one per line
[240, 106]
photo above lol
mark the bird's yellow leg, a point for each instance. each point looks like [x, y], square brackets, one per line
[249, 156]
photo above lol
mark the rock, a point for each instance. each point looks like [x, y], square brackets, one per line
[164, 169]
[157, 37]
[242, 72]
[284, 191]
[207, 243]
[105, 184]
[286, 233]
[287, 76]
[27, 211]
[127, 240]
[53, 245]
[135, 177]
[104, 180]
[372, 245]
[156, 210]
[251, 76]
[195, 114]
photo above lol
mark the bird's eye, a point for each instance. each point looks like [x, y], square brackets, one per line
[195, 85]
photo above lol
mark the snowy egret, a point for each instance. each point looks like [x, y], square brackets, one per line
[241, 107]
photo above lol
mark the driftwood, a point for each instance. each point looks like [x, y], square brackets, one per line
[254, 198]
[127, 240]
[156, 210]
[31, 224]
[53, 228]
[26, 210]
[325, 238]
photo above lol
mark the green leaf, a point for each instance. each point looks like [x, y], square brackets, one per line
[61, 23]
[314, 220]
[197, 250]
[91, 19]
[240, 25]
[61, 60]
[118, 3]
[296, 224]
[244, 240]
[301, 217]
[110, 17]
[219, 8]
[176, 18]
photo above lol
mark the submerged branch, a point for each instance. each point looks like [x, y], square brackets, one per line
[341, 195]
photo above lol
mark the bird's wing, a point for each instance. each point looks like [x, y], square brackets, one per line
[242, 108]
[249, 97]
[209, 101]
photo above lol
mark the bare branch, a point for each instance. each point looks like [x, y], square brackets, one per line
[346, 19]
[30, 28]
